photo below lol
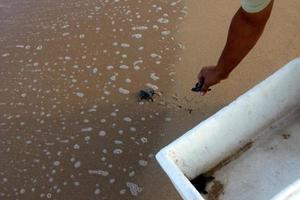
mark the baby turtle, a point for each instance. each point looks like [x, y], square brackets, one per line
[201, 181]
[199, 85]
[147, 94]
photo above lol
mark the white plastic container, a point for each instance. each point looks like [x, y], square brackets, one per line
[218, 137]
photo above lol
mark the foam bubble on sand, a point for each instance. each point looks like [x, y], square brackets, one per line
[56, 163]
[113, 114]
[168, 119]
[127, 119]
[136, 64]
[123, 91]
[102, 133]
[144, 140]
[132, 129]
[163, 20]
[140, 28]
[95, 70]
[80, 94]
[92, 109]
[87, 129]
[117, 151]
[76, 146]
[113, 78]
[40, 47]
[128, 80]
[150, 85]
[124, 67]
[20, 46]
[123, 191]
[5, 55]
[77, 164]
[72, 159]
[106, 92]
[137, 67]
[103, 158]
[137, 35]
[134, 188]
[50, 179]
[125, 45]
[87, 138]
[165, 33]
[109, 67]
[98, 172]
[131, 174]
[184, 12]
[156, 56]
[28, 142]
[97, 191]
[35, 64]
[118, 142]
[155, 27]
[154, 77]
[151, 155]
[112, 180]
[143, 163]
[22, 191]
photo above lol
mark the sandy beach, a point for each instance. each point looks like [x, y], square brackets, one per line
[72, 125]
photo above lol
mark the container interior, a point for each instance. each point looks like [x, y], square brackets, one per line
[267, 167]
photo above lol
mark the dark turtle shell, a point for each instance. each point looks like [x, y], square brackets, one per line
[198, 86]
[146, 94]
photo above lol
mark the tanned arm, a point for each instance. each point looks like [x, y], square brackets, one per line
[244, 32]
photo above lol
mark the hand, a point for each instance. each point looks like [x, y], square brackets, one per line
[211, 75]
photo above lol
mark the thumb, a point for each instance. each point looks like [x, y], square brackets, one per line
[205, 89]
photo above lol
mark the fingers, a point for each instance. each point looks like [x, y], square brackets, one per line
[204, 89]
[207, 77]
[203, 86]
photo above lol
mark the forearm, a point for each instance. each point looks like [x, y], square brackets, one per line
[244, 32]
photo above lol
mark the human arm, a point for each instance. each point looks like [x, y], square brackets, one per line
[245, 30]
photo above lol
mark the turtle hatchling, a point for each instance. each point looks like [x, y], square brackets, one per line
[147, 94]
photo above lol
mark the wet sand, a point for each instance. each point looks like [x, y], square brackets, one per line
[71, 126]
